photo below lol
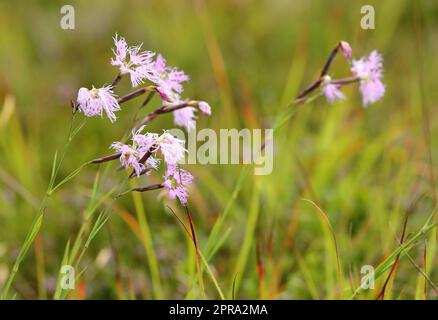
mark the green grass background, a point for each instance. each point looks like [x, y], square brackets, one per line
[363, 169]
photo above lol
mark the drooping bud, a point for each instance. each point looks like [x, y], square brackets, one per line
[345, 49]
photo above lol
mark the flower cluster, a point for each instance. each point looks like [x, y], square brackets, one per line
[368, 71]
[143, 155]
[146, 150]
[142, 67]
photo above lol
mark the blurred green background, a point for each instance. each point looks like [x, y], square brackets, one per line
[364, 168]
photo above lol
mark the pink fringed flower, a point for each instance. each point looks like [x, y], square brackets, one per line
[176, 182]
[93, 102]
[370, 71]
[130, 60]
[330, 90]
[144, 141]
[332, 93]
[171, 148]
[129, 157]
[185, 117]
[168, 80]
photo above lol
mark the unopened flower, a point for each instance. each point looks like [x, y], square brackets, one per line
[346, 49]
[130, 60]
[176, 182]
[164, 94]
[168, 80]
[205, 108]
[370, 71]
[93, 102]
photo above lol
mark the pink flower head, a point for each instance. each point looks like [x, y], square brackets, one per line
[171, 148]
[185, 117]
[130, 60]
[145, 143]
[370, 71]
[168, 80]
[330, 90]
[205, 108]
[332, 93]
[176, 181]
[93, 102]
[129, 157]
[345, 49]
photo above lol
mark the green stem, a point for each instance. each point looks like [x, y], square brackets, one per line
[36, 224]
[148, 244]
[400, 250]
[212, 277]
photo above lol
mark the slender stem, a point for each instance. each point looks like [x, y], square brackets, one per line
[105, 158]
[143, 160]
[171, 108]
[195, 242]
[204, 261]
[309, 99]
[167, 109]
[144, 171]
[151, 187]
[301, 97]
[148, 188]
[324, 71]
[212, 277]
[36, 225]
[148, 119]
[345, 81]
[144, 104]
[30, 237]
[131, 95]
[330, 60]
[148, 99]
[73, 107]
[147, 155]
[116, 80]
[135, 94]
[148, 244]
